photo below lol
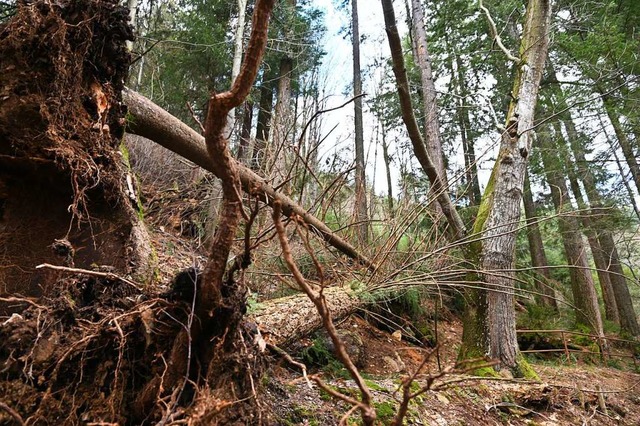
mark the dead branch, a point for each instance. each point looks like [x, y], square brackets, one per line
[107, 275]
[318, 299]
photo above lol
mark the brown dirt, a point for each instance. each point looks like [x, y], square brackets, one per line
[61, 121]
[564, 396]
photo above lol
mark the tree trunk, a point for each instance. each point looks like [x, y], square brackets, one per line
[499, 213]
[462, 116]
[132, 5]
[610, 307]
[584, 294]
[360, 207]
[623, 139]
[431, 121]
[154, 123]
[263, 127]
[457, 229]
[536, 248]
[245, 133]
[288, 319]
[618, 305]
[238, 40]
[387, 168]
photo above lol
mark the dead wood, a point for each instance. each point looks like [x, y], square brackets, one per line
[156, 124]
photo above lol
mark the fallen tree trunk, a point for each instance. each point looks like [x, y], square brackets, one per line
[288, 319]
[156, 124]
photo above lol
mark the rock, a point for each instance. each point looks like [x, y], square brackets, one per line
[353, 344]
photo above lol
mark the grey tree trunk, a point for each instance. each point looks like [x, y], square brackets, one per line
[499, 215]
[539, 260]
[361, 213]
[433, 138]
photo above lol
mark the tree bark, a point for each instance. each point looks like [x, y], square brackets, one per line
[499, 213]
[457, 229]
[431, 121]
[361, 214]
[154, 123]
[536, 248]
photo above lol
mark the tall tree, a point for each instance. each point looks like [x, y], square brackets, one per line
[433, 137]
[498, 218]
[585, 299]
[361, 213]
[536, 248]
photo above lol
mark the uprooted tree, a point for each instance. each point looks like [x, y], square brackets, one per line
[94, 347]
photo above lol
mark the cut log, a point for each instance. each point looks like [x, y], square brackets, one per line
[154, 123]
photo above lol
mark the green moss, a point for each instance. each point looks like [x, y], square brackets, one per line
[524, 370]
[300, 415]
[385, 411]
[376, 387]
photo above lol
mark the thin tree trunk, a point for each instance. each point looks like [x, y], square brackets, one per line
[584, 294]
[536, 248]
[132, 5]
[387, 168]
[623, 140]
[245, 133]
[431, 121]
[237, 57]
[362, 218]
[263, 125]
[277, 162]
[462, 116]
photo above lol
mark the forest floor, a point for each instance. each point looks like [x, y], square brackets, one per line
[566, 394]
[58, 356]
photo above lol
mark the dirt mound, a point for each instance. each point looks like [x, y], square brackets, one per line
[62, 176]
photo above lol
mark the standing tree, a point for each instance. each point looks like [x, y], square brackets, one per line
[361, 214]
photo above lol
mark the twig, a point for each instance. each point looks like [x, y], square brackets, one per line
[195, 117]
[13, 413]
[22, 300]
[496, 36]
[108, 275]
[318, 299]
[291, 361]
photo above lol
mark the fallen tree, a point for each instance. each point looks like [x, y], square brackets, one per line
[154, 123]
